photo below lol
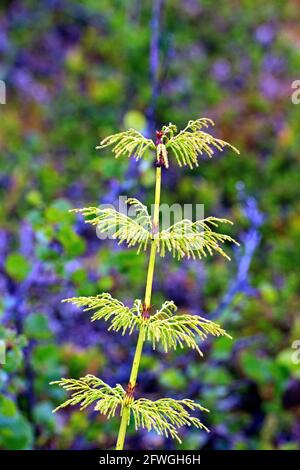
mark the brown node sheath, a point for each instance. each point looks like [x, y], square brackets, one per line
[159, 136]
[145, 311]
[160, 162]
[155, 229]
[129, 395]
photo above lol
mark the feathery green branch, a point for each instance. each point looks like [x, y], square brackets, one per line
[133, 231]
[185, 145]
[128, 143]
[107, 308]
[86, 390]
[172, 331]
[192, 141]
[193, 239]
[183, 239]
[166, 415]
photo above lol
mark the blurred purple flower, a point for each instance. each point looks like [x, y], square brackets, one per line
[22, 79]
[221, 70]
[264, 34]
[113, 193]
[244, 255]
[72, 266]
[251, 211]
[4, 43]
[274, 64]
[269, 86]
[3, 245]
[26, 239]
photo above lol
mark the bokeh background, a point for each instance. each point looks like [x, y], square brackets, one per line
[78, 71]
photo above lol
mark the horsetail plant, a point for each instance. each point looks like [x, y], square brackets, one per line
[166, 328]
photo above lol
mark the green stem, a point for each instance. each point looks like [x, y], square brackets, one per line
[148, 292]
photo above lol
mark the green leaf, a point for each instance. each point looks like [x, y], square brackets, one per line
[36, 326]
[73, 244]
[173, 379]
[43, 415]
[17, 266]
[8, 408]
[216, 376]
[106, 283]
[259, 369]
[222, 349]
[58, 211]
[284, 360]
[79, 276]
[45, 355]
[13, 360]
[135, 119]
[15, 433]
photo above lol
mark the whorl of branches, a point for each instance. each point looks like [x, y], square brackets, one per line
[183, 239]
[164, 328]
[165, 416]
[185, 145]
